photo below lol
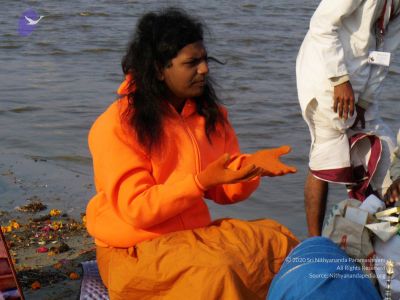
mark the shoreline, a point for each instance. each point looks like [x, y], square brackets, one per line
[58, 182]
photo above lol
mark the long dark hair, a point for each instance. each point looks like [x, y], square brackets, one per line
[156, 41]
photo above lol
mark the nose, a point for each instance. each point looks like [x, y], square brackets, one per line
[203, 68]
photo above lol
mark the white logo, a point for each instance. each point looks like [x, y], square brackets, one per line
[32, 22]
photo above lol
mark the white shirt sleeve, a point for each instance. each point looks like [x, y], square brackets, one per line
[324, 26]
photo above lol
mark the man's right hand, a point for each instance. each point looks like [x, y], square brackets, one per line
[343, 100]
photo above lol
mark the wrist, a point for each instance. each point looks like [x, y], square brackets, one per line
[335, 81]
[203, 181]
[199, 184]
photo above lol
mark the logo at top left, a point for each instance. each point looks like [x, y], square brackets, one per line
[28, 21]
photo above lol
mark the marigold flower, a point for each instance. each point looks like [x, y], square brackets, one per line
[14, 224]
[57, 266]
[73, 276]
[55, 212]
[36, 285]
[6, 228]
[56, 225]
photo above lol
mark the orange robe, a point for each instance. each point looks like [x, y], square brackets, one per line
[142, 196]
[229, 259]
[154, 236]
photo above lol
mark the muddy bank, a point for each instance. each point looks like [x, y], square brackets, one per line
[47, 247]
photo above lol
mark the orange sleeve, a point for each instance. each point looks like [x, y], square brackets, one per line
[123, 172]
[231, 193]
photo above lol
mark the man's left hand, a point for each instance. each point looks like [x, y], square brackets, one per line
[393, 193]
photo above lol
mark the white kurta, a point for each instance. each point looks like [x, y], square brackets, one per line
[341, 35]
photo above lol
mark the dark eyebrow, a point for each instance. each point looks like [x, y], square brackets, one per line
[193, 60]
[204, 56]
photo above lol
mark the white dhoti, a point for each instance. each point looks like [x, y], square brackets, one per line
[334, 159]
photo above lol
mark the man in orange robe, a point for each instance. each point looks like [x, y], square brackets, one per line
[152, 228]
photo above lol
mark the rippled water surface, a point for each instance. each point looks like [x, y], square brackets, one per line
[55, 82]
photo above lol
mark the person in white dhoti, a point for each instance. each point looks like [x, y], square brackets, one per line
[393, 192]
[339, 81]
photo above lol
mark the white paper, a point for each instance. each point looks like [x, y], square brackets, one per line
[383, 230]
[372, 204]
[356, 215]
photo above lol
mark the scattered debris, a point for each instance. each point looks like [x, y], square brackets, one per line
[36, 279]
[35, 205]
[42, 250]
[59, 249]
[49, 234]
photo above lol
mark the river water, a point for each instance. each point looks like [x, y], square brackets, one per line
[56, 81]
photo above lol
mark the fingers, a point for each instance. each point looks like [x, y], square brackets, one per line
[285, 168]
[255, 173]
[269, 161]
[345, 107]
[243, 174]
[285, 149]
[291, 169]
[335, 104]
[393, 193]
[223, 160]
[280, 170]
[394, 196]
[340, 108]
[351, 106]
[387, 199]
[343, 100]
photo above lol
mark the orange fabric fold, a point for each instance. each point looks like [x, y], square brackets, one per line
[230, 259]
